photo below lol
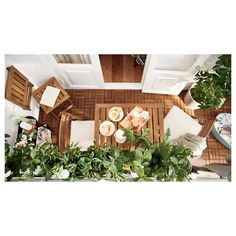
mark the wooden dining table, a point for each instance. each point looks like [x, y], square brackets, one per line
[155, 123]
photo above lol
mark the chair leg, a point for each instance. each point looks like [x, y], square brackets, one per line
[54, 115]
[68, 108]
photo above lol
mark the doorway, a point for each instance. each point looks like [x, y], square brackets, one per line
[119, 68]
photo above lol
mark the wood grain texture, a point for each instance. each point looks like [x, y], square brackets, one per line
[102, 115]
[62, 97]
[120, 68]
[64, 132]
[18, 88]
[215, 153]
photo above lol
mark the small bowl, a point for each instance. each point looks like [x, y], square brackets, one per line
[119, 136]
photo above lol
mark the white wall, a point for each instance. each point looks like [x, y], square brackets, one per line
[207, 65]
[38, 70]
[36, 67]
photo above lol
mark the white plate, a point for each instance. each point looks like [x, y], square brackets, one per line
[107, 128]
[120, 114]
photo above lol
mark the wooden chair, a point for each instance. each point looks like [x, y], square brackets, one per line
[181, 123]
[64, 131]
[81, 131]
[206, 129]
[184, 128]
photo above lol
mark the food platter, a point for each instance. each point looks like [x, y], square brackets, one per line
[107, 128]
[136, 119]
[116, 114]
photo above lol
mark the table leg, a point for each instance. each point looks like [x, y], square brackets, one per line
[55, 115]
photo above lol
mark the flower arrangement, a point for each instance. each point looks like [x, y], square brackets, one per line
[141, 161]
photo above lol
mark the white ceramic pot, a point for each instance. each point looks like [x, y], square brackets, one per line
[189, 101]
[25, 126]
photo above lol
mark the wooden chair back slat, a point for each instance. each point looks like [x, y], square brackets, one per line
[18, 88]
[206, 129]
[65, 130]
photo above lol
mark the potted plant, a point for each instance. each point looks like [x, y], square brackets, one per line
[146, 162]
[211, 87]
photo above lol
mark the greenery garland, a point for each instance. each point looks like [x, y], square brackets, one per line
[141, 161]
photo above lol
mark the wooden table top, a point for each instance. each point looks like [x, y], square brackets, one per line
[155, 123]
[62, 97]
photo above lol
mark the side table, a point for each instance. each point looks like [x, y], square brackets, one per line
[62, 97]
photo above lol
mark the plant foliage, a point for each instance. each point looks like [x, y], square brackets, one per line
[213, 86]
[142, 161]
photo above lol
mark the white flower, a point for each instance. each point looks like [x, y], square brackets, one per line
[37, 170]
[25, 172]
[30, 138]
[134, 175]
[63, 174]
[8, 174]
[21, 143]
[24, 137]
[54, 176]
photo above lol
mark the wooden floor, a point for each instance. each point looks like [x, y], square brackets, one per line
[85, 101]
[120, 68]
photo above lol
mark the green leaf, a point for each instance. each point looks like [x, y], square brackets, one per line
[174, 160]
[33, 153]
[113, 168]
[147, 170]
[182, 161]
[139, 171]
[147, 155]
[37, 161]
[106, 163]
[138, 154]
[137, 163]
[170, 171]
[146, 163]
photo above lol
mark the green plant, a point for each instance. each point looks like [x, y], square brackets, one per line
[136, 139]
[17, 160]
[213, 86]
[7, 145]
[169, 162]
[146, 162]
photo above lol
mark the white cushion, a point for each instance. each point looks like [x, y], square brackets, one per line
[82, 132]
[180, 123]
